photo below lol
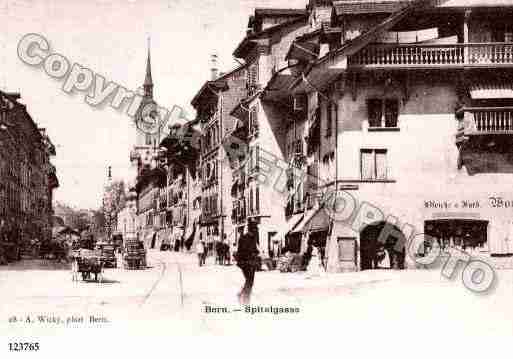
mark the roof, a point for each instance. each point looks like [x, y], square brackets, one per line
[148, 81]
[309, 35]
[368, 6]
[215, 85]
[241, 106]
[477, 3]
[280, 12]
[354, 45]
[357, 43]
[208, 88]
[242, 47]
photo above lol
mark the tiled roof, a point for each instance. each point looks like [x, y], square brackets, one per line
[280, 12]
[368, 6]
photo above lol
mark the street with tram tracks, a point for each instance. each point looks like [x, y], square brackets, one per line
[177, 297]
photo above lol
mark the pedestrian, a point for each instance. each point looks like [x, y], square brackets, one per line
[247, 260]
[200, 250]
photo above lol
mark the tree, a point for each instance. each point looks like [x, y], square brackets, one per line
[114, 201]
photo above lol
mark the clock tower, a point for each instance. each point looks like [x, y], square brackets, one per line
[146, 142]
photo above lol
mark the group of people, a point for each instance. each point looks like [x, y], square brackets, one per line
[9, 242]
[246, 255]
[222, 252]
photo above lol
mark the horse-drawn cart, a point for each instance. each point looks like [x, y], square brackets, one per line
[86, 263]
[134, 255]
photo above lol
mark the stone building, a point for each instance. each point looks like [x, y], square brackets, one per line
[27, 178]
[214, 103]
[181, 197]
[166, 181]
[412, 131]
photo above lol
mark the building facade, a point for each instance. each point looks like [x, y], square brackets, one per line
[416, 100]
[166, 181]
[401, 110]
[27, 177]
[214, 103]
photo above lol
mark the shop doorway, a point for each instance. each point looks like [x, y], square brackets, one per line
[462, 234]
[318, 239]
[381, 253]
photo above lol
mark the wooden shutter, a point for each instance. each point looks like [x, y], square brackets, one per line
[381, 164]
[367, 164]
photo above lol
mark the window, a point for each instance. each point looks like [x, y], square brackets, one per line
[329, 119]
[253, 121]
[252, 77]
[383, 112]
[257, 199]
[502, 33]
[373, 164]
[299, 146]
[251, 201]
[148, 140]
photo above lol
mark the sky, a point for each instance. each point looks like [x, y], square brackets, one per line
[110, 38]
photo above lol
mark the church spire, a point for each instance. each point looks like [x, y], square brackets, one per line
[148, 82]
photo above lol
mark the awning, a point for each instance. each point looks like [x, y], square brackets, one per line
[189, 230]
[315, 220]
[149, 235]
[291, 224]
[303, 51]
[302, 226]
[343, 229]
[482, 91]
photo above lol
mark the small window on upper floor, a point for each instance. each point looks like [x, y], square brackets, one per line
[253, 121]
[383, 113]
[373, 164]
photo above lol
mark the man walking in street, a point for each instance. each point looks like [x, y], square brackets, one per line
[247, 260]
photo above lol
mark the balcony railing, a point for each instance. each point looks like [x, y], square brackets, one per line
[486, 120]
[418, 55]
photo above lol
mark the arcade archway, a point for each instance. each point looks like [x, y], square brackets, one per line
[380, 246]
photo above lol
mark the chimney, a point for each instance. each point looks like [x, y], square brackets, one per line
[213, 68]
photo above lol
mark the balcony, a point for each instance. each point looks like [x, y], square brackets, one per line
[485, 121]
[433, 55]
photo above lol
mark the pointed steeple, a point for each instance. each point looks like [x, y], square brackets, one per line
[148, 82]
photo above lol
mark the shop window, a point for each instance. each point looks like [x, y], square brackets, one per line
[383, 113]
[373, 164]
